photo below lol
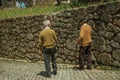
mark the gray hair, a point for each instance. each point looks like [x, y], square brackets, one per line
[46, 22]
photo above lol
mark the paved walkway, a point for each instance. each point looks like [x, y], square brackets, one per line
[17, 70]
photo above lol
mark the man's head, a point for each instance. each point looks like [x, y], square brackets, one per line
[47, 23]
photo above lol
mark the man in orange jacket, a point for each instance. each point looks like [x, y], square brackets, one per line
[85, 40]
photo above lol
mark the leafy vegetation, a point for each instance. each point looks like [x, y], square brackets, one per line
[35, 10]
[77, 3]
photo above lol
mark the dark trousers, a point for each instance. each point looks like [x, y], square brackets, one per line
[85, 54]
[49, 54]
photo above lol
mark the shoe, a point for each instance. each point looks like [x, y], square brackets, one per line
[81, 68]
[48, 76]
[54, 72]
[89, 68]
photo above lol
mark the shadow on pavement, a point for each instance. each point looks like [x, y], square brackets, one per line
[42, 73]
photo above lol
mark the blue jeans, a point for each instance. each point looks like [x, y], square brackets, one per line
[49, 53]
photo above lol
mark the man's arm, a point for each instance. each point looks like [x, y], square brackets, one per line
[80, 39]
[40, 41]
[55, 37]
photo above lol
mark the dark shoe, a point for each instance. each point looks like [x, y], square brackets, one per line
[89, 68]
[81, 68]
[54, 72]
[48, 76]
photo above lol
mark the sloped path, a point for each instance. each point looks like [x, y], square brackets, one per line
[17, 70]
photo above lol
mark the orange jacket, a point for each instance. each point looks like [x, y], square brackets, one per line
[85, 37]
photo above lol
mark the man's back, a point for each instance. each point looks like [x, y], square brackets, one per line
[85, 34]
[48, 37]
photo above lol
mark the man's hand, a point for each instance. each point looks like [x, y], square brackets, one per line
[41, 50]
[77, 41]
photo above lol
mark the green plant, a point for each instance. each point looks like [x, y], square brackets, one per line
[75, 3]
[35, 10]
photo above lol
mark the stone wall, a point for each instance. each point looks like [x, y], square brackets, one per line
[19, 36]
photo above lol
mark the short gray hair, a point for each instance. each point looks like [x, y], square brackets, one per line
[46, 22]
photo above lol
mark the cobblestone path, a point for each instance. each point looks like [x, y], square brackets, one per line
[17, 70]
